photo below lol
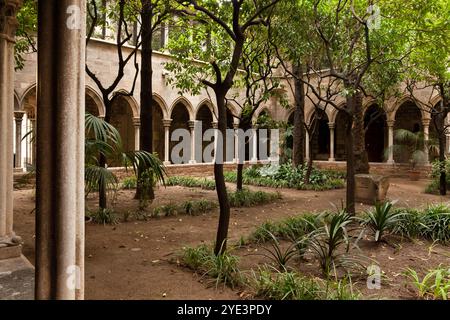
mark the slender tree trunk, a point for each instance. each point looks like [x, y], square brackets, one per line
[239, 177]
[350, 192]
[443, 174]
[298, 151]
[146, 132]
[221, 189]
[359, 149]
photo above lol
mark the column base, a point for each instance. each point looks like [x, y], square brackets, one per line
[166, 163]
[390, 162]
[17, 279]
[331, 159]
[253, 161]
[10, 251]
[18, 170]
[192, 161]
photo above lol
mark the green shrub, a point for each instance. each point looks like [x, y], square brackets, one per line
[286, 176]
[274, 285]
[437, 167]
[129, 183]
[284, 286]
[191, 182]
[434, 285]
[247, 198]
[222, 268]
[190, 207]
[381, 219]
[104, 216]
[262, 232]
[432, 223]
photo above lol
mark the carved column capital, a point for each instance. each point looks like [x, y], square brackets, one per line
[8, 20]
[137, 122]
[390, 123]
[18, 115]
[167, 123]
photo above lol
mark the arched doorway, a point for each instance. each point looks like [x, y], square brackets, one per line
[375, 133]
[29, 103]
[340, 136]
[320, 141]
[158, 129]
[122, 120]
[407, 117]
[180, 120]
[205, 116]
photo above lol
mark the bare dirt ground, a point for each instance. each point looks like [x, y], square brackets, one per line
[131, 260]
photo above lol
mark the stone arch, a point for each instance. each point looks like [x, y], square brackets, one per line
[122, 116]
[376, 132]
[162, 104]
[206, 116]
[234, 110]
[28, 103]
[320, 141]
[131, 102]
[210, 106]
[340, 123]
[405, 100]
[407, 116]
[159, 113]
[94, 103]
[260, 111]
[16, 101]
[182, 100]
[181, 118]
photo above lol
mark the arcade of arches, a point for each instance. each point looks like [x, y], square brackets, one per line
[327, 143]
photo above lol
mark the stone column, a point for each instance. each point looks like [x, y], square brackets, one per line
[254, 158]
[137, 132]
[167, 123]
[215, 126]
[192, 129]
[32, 140]
[332, 155]
[236, 143]
[307, 152]
[9, 243]
[60, 216]
[426, 137]
[18, 117]
[390, 124]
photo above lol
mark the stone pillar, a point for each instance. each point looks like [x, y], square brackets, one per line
[390, 124]
[332, 155]
[254, 158]
[307, 151]
[215, 126]
[167, 124]
[9, 243]
[137, 132]
[33, 142]
[192, 129]
[18, 117]
[60, 216]
[426, 137]
[236, 143]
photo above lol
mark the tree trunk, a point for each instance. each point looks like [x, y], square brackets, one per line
[239, 177]
[221, 189]
[359, 148]
[298, 151]
[146, 132]
[350, 192]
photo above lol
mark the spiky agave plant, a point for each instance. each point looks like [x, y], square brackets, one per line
[382, 219]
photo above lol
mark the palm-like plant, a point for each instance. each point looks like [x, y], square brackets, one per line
[413, 145]
[382, 219]
[102, 139]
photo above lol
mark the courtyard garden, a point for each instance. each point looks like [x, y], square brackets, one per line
[284, 243]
